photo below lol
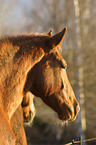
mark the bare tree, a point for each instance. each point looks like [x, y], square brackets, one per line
[10, 23]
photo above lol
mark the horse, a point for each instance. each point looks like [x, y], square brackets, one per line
[46, 65]
[18, 55]
[53, 67]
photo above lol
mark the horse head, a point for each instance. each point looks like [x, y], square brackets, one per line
[48, 80]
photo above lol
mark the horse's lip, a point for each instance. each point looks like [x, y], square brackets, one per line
[65, 117]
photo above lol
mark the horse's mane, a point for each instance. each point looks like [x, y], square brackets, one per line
[22, 37]
[9, 45]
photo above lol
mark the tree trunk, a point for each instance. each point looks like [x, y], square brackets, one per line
[79, 60]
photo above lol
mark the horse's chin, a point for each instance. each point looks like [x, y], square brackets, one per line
[65, 118]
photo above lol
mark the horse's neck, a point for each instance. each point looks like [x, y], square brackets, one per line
[14, 72]
[25, 61]
[20, 54]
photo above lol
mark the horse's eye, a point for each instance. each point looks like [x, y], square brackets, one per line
[62, 66]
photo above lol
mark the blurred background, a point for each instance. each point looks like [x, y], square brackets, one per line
[79, 51]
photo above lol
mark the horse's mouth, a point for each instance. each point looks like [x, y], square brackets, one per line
[70, 115]
[64, 117]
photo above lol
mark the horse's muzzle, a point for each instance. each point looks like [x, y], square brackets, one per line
[76, 110]
[70, 113]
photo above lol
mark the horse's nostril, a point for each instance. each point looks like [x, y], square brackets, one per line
[70, 111]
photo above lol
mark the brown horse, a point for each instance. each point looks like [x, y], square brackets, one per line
[50, 67]
[17, 56]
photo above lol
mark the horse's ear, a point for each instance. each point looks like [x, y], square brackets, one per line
[57, 38]
[50, 32]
